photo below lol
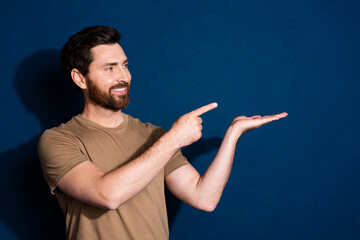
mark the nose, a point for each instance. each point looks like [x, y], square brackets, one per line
[124, 75]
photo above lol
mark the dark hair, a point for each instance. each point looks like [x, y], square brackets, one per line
[76, 53]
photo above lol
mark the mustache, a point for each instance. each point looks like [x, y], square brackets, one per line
[120, 85]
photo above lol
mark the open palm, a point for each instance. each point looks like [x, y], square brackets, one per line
[244, 124]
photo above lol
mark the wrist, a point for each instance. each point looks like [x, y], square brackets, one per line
[170, 141]
[233, 133]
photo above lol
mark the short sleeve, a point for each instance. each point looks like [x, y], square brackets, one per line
[58, 153]
[177, 160]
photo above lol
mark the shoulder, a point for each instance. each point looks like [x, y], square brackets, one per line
[64, 133]
[151, 129]
[62, 129]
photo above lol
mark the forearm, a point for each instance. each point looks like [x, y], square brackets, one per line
[87, 183]
[210, 186]
[128, 180]
[204, 192]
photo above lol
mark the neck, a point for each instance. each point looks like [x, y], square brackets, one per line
[104, 117]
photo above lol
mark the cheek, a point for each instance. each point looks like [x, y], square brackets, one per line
[105, 80]
[102, 82]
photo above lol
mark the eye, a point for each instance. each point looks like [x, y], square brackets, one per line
[109, 69]
[125, 65]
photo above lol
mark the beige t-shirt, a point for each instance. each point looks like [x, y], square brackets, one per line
[142, 217]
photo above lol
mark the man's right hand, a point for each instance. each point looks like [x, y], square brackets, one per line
[187, 129]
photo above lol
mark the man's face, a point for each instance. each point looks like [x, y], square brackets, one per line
[108, 80]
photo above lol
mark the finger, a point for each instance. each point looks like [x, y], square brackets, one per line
[239, 118]
[271, 118]
[204, 109]
[277, 116]
[200, 120]
[282, 115]
[256, 116]
[265, 120]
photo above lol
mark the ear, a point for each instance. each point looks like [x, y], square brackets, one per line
[78, 78]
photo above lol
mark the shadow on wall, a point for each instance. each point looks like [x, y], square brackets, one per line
[27, 208]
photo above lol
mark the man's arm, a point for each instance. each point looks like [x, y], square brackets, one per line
[204, 192]
[87, 183]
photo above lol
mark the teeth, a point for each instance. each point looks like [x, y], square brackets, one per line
[119, 89]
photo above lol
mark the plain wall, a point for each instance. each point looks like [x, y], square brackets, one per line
[297, 178]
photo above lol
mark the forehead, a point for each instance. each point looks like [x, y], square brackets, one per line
[108, 53]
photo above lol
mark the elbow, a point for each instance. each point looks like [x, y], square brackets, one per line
[102, 202]
[107, 203]
[113, 202]
[111, 205]
[208, 206]
[110, 200]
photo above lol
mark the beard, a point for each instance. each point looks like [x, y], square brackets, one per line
[106, 99]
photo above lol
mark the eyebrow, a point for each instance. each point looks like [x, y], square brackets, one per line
[114, 63]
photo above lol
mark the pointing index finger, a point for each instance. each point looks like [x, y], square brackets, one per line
[204, 109]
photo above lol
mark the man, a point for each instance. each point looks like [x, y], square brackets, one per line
[108, 169]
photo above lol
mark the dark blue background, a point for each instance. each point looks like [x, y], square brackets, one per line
[294, 179]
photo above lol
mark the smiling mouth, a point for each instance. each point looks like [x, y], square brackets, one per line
[119, 91]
